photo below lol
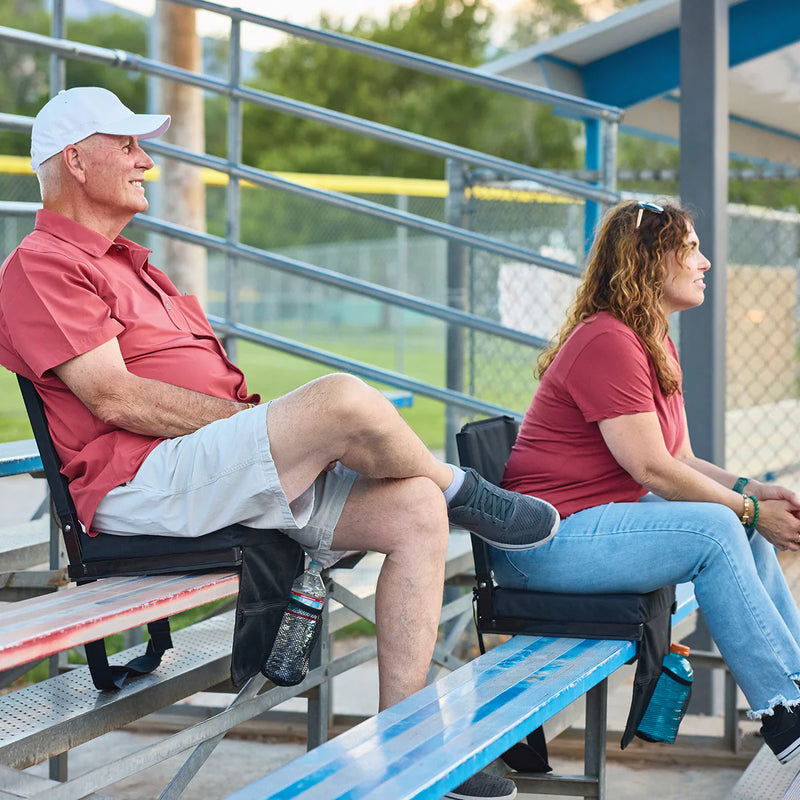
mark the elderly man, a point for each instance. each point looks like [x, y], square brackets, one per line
[157, 430]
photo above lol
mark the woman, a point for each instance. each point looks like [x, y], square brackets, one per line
[607, 431]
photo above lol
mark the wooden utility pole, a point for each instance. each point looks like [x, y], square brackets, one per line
[183, 196]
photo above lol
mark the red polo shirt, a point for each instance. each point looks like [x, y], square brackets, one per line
[66, 290]
[602, 371]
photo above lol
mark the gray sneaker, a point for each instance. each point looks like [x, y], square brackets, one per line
[484, 786]
[503, 519]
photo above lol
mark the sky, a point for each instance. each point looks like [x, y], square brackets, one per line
[300, 12]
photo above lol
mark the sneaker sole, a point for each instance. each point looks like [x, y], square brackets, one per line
[532, 546]
[453, 796]
[789, 753]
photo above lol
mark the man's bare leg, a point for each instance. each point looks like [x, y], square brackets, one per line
[407, 520]
[341, 418]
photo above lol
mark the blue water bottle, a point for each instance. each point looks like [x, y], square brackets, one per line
[668, 704]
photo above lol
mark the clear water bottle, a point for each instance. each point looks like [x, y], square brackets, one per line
[668, 704]
[287, 664]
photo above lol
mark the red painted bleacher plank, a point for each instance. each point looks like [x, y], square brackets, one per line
[39, 627]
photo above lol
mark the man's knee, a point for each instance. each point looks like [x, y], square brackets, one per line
[346, 395]
[424, 515]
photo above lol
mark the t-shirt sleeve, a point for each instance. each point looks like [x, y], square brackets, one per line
[611, 377]
[53, 310]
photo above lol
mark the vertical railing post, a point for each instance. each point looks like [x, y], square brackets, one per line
[319, 712]
[233, 191]
[609, 129]
[401, 284]
[456, 298]
[154, 188]
[58, 67]
[57, 766]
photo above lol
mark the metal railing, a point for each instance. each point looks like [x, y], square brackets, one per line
[601, 121]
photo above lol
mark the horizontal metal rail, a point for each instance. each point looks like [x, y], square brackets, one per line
[337, 280]
[361, 206]
[319, 274]
[281, 343]
[366, 371]
[421, 63]
[15, 122]
[335, 119]
[18, 208]
[358, 205]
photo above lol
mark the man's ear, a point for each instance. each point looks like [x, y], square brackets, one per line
[73, 159]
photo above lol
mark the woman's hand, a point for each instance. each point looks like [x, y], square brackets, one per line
[771, 491]
[777, 521]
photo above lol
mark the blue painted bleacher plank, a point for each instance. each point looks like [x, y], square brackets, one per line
[19, 458]
[477, 715]
[443, 734]
[400, 399]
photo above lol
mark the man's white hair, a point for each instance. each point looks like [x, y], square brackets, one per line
[49, 175]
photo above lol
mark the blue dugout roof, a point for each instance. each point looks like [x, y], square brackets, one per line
[631, 60]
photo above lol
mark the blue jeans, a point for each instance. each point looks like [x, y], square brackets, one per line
[638, 547]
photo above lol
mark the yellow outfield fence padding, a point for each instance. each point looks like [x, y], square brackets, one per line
[346, 184]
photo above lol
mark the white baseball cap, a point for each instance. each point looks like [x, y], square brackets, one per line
[74, 114]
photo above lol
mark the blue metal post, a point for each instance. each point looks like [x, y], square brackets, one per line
[592, 209]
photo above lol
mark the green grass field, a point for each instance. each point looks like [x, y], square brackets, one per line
[272, 374]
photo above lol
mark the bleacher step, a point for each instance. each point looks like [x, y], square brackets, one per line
[42, 720]
[765, 778]
[25, 544]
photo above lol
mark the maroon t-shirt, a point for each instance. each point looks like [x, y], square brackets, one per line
[66, 290]
[602, 371]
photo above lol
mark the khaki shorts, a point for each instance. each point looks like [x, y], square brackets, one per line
[220, 475]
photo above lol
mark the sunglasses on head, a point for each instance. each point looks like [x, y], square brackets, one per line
[646, 205]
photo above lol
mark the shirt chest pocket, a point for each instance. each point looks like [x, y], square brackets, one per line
[186, 313]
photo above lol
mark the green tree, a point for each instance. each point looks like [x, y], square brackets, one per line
[23, 71]
[115, 32]
[537, 20]
[451, 30]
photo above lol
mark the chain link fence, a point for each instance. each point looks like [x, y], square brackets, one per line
[763, 397]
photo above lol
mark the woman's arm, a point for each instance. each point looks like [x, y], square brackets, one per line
[761, 491]
[636, 442]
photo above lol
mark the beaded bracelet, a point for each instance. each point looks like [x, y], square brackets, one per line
[752, 525]
[738, 487]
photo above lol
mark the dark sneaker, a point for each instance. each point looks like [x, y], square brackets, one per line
[503, 519]
[485, 786]
[781, 731]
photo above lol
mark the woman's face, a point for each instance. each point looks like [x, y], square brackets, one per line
[684, 285]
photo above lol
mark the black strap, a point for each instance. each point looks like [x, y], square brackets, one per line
[110, 678]
[530, 755]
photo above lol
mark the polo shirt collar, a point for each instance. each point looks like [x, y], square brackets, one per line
[91, 242]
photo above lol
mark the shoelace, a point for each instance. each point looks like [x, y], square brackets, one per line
[490, 504]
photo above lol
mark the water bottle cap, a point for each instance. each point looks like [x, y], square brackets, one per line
[680, 649]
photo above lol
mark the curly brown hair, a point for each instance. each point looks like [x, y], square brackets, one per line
[625, 276]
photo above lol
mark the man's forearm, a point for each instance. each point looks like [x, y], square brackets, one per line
[155, 408]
